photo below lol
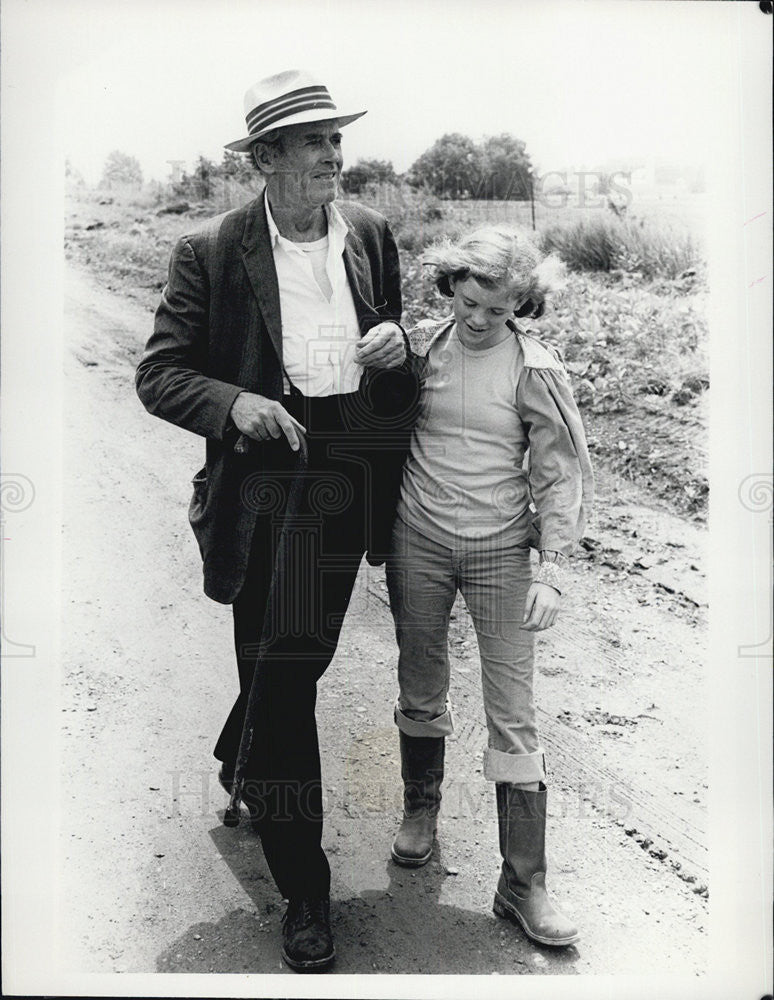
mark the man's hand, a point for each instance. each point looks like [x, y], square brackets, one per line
[542, 607]
[261, 419]
[382, 347]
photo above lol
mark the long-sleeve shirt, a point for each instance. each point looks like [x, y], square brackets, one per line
[481, 413]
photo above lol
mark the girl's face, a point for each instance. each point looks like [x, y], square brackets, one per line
[481, 313]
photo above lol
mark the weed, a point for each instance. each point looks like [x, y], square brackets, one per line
[608, 242]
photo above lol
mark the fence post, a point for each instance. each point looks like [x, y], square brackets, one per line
[532, 199]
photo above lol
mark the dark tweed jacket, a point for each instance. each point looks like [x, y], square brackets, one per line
[218, 331]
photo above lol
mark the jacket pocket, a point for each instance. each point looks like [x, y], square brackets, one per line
[199, 497]
[197, 508]
[199, 483]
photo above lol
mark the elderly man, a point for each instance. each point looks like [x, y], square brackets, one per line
[279, 319]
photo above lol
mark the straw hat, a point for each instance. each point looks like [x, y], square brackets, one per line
[289, 98]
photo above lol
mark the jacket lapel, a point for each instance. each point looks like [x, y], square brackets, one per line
[359, 277]
[258, 258]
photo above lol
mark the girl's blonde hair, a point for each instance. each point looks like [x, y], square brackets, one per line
[498, 256]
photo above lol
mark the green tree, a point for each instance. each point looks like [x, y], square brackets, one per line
[366, 172]
[451, 168]
[198, 184]
[120, 168]
[506, 169]
[73, 176]
[238, 166]
[204, 174]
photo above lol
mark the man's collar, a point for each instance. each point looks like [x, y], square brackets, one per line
[336, 222]
[274, 233]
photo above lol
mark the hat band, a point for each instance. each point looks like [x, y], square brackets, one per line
[305, 99]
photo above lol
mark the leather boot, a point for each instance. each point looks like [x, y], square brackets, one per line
[422, 772]
[521, 892]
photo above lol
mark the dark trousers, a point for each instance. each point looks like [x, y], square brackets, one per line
[326, 546]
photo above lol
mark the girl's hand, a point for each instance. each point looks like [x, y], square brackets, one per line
[542, 607]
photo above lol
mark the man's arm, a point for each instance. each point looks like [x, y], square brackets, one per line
[170, 377]
[391, 280]
[386, 344]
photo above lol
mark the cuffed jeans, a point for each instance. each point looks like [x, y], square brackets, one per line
[327, 541]
[423, 578]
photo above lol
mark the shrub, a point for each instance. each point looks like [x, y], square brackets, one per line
[611, 243]
[619, 342]
[415, 216]
[231, 192]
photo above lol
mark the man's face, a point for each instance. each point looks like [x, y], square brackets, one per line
[306, 173]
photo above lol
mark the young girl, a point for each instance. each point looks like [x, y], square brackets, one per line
[466, 522]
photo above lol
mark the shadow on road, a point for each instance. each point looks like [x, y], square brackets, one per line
[400, 929]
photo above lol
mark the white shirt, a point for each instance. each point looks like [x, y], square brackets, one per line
[320, 329]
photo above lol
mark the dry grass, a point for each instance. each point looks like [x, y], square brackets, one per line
[585, 239]
[604, 242]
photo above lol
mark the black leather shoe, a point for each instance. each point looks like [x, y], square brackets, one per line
[307, 943]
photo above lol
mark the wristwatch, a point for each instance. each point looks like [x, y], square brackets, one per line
[552, 569]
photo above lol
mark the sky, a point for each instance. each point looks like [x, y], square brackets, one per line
[580, 82]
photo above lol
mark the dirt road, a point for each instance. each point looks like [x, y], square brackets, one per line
[152, 879]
